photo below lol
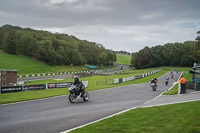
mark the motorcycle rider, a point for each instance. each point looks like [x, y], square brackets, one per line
[80, 85]
[153, 84]
[167, 80]
[154, 81]
[172, 76]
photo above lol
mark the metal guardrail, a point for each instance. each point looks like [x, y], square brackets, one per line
[37, 87]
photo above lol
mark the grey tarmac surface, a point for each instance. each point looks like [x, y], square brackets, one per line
[57, 114]
[43, 77]
[172, 99]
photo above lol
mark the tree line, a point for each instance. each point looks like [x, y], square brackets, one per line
[171, 54]
[123, 52]
[53, 49]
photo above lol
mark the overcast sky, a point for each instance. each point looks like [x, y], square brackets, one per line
[127, 25]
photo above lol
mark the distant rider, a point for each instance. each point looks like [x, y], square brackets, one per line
[80, 85]
[156, 80]
[172, 76]
[153, 81]
[167, 80]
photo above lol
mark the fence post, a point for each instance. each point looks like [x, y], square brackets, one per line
[46, 86]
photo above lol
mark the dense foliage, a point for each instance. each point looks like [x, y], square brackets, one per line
[54, 49]
[197, 48]
[171, 54]
[123, 52]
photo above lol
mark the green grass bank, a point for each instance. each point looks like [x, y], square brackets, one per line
[176, 118]
[123, 59]
[27, 65]
[186, 74]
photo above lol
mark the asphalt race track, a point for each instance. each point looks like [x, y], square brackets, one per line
[57, 114]
[43, 77]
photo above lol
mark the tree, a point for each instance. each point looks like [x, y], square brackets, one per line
[11, 41]
[196, 53]
[76, 58]
[143, 58]
[54, 49]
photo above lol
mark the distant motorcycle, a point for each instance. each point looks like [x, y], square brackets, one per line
[75, 93]
[154, 86]
[166, 82]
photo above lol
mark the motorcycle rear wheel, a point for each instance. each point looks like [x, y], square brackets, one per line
[154, 88]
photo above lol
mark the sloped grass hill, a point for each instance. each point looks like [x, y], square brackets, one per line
[27, 65]
[123, 59]
[53, 49]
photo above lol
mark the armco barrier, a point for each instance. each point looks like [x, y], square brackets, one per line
[34, 87]
[59, 85]
[48, 74]
[38, 87]
[10, 89]
[120, 80]
[116, 81]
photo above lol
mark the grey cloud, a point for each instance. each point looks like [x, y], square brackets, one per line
[110, 22]
[102, 12]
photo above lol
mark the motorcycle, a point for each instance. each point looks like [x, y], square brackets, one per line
[154, 86]
[75, 93]
[166, 82]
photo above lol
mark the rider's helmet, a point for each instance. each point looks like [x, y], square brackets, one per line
[76, 78]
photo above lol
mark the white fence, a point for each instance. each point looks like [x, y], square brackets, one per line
[121, 80]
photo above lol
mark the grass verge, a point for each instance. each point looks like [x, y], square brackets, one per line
[176, 118]
[123, 59]
[186, 74]
[172, 91]
[101, 82]
[31, 95]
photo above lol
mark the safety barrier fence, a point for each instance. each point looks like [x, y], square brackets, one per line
[121, 80]
[49, 74]
[106, 70]
[108, 81]
[37, 87]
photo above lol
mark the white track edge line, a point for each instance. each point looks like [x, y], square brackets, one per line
[99, 120]
[162, 92]
[169, 103]
[126, 111]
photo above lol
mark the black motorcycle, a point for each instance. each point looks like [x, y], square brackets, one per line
[166, 82]
[154, 86]
[75, 92]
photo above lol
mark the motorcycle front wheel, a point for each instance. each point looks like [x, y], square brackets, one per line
[86, 96]
[72, 97]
